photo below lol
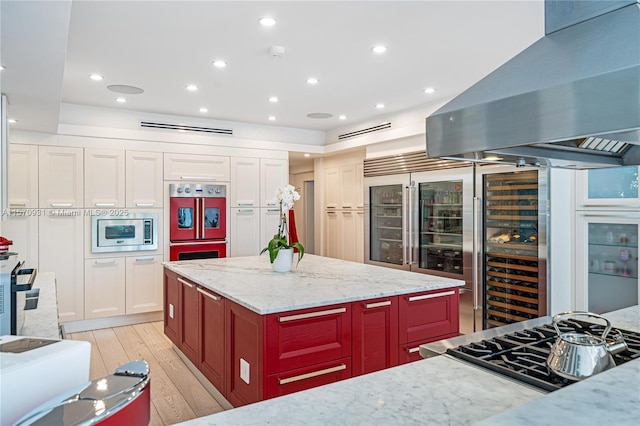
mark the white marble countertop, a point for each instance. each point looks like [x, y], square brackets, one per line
[43, 321]
[443, 390]
[317, 281]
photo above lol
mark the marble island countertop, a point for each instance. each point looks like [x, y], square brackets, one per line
[443, 390]
[317, 281]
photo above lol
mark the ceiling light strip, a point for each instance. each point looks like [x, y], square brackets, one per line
[167, 126]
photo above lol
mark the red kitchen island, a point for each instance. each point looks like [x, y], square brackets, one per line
[256, 334]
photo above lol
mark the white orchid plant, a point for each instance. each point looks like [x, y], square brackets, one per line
[285, 196]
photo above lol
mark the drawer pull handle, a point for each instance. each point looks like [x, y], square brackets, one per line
[245, 203]
[144, 259]
[180, 280]
[377, 304]
[61, 204]
[312, 314]
[413, 350]
[431, 296]
[312, 374]
[105, 262]
[197, 178]
[209, 295]
[245, 210]
[273, 210]
[17, 204]
[144, 204]
[346, 206]
[105, 204]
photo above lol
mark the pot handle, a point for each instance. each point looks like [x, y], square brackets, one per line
[558, 317]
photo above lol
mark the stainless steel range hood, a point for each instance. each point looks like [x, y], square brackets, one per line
[571, 99]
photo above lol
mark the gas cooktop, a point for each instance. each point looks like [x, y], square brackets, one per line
[522, 355]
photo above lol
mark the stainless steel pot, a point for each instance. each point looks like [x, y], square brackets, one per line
[577, 356]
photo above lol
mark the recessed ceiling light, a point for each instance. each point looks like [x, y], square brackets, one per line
[96, 77]
[307, 155]
[191, 87]
[380, 105]
[429, 90]
[267, 21]
[272, 118]
[342, 117]
[273, 99]
[121, 100]
[203, 109]
[312, 80]
[219, 64]
[12, 120]
[379, 49]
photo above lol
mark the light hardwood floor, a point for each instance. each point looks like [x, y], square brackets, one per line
[176, 395]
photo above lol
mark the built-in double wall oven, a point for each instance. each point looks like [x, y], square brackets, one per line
[197, 221]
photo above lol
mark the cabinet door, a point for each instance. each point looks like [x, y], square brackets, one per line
[359, 185]
[144, 179]
[291, 381]
[23, 176]
[104, 287]
[269, 221]
[189, 320]
[60, 177]
[144, 284]
[348, 235]
[374, 335]
[245, 182]
[196, 167]
[306, 337]
[274, 174]
[615, 187]
[22, 229]
[103, 178]
[359, 236]
[428, 316]
[60, 244]
[332, 197]
[244, 367]
[171, 293]
[333, 239]
[245, 229]
[347, 187]
[212, 357]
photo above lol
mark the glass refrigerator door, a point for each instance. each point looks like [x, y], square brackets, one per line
[386, 224]
[440, 226]
[511, 263]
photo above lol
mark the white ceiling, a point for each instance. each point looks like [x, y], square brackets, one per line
[50, 48]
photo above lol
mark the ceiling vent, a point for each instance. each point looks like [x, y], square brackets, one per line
[408, 163]
[365, 131]
[185, 128]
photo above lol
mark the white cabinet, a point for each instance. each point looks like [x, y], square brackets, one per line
[245, 231]
[196, 167]
[347, 188]
[269, 221]
[60, 244]
[359, 185]
[22, 229]
[104, 178]
[60, 177]
[23, 176]
[144, 179]
[143, 284]
[612, 188]
[274, 174]
[333, 239]
[245, 182]
[104, 281]
[332, 191]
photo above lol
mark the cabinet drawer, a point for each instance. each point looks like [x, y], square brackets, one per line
[410, 352]
[428, 315]
[307, 337]
[308, 377]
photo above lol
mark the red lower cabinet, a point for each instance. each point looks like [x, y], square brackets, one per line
[374, 335]
[189, 322]
[308, 377]
[171, 293]
[428, 316]
[212, 325]
[410, 352]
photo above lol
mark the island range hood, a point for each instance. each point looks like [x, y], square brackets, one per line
[570, 100]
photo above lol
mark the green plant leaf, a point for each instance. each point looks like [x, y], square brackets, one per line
[300, 248]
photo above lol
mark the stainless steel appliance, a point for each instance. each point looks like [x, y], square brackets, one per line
[14, 279]
[133, 232]
[454, 219]
[198, 226]
[520, 350]
[568, 100]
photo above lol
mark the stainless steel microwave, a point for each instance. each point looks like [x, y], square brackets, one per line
[133, 232]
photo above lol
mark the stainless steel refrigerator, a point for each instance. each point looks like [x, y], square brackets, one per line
[442, 222]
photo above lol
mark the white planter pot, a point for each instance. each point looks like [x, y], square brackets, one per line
[283, 260]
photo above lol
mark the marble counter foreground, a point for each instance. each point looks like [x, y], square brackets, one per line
[317, 281]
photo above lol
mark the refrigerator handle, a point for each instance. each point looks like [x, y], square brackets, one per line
[405, 225]
[410, 225]
[475, 259]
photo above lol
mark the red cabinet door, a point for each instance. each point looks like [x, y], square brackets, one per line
[374, 338]
[308, 377]
[244, 372]
[306, 337]
[428, 316]
[211, 358]
[171, 293]
[189, 324]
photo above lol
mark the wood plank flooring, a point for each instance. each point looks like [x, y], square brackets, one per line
[176, 394]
